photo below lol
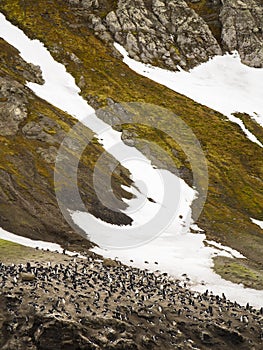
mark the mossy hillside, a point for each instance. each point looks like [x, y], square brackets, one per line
[28, 203]
[13, 253]
[239, 271]
[235, 186]
[16, 67]
[12, 148]
[36, 108]
[252, 125]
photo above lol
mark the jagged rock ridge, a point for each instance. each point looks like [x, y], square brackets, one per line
[171, 33]
[242, 29]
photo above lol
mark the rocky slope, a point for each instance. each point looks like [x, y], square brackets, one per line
[185, 33]
[50, 301]
[62, 303]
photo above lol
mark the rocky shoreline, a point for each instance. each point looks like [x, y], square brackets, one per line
[76, 303]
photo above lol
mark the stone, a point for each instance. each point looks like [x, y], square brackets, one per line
[110, 262]
[74, 58]
[129, 137]
[12, 107]
[26, 276]
[43, 129]
[113, 22]
[49, 155]
[82, 82]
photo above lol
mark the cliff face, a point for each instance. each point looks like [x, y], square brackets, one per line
[185, 33]
[165, 33]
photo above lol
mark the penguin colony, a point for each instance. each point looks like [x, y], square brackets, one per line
[160, 310]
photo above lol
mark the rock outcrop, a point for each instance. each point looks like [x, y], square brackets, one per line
[13, 109]
[178, 33]
[242, 29]
[165, 33]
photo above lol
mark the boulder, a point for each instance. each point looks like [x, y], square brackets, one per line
[26, 276]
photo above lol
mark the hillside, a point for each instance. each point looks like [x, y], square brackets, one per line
[235, 178]
[31, 131]
[197, 281]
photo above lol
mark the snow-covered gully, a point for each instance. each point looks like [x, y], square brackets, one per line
[177, 251]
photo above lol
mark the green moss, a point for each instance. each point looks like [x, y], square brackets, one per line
[50, 131]
[251, 124]
[239, 271]
[176, 50]
[11, 252]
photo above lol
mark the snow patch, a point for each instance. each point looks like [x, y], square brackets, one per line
[59, 88]
[257, 222]
[223, 84]
[183, 254]
[233, 253]
[27, 242]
